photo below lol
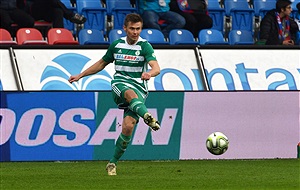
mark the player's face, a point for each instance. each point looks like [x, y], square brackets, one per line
[133, 31]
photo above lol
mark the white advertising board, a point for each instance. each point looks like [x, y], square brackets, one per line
[250, 69]
[49, 69]
[7, 77]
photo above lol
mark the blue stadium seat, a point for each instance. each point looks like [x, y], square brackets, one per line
[181, 36]
[242, 16]
[153, 36]
[115, 34]
[217, 13]
[118, 9]
[211, 37]
[91, 37]
[68, 24]
[94, 12]
[294, 8]
[297, 38]
[240, 37]
[261, 7]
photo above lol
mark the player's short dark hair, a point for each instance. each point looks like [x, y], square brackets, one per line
[133, 17]
[282, 4]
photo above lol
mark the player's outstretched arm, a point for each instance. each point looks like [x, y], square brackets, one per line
[154, 71]
[96, 67]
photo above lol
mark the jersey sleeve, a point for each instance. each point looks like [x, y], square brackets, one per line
[109, 55]
[149, 52]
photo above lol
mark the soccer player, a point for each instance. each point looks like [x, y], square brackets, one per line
[131, 56]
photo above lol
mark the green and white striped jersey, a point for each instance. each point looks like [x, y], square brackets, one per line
[130, 61]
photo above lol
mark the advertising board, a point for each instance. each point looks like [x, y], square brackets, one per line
[43, 126]
[252, 69]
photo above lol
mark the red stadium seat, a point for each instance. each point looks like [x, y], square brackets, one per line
[61, 36]
[5, 38]
[30, 36]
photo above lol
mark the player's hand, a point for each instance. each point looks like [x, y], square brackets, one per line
[146, 76]
[74, 78]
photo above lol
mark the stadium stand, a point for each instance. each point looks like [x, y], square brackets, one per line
[68, 24]
[41, 25]
[240, 37]
[118, 9]
[61, 36]
[95, 13]
[115, 34]
[181, 36]
[6, 38]
[211, 37]
[91, 37]
[30, 36]
[241, 16]
[154, 36]
[217, 13]
[294, 8]
[261, 7]
[298, 38]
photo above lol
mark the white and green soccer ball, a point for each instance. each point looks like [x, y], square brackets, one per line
[217, 143]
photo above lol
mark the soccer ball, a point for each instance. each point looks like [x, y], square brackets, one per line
[217, 143]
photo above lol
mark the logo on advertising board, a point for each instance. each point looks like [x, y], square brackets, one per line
[263, 70]
[55, 77]
[48, 125]
[44, 126]
[145, 144]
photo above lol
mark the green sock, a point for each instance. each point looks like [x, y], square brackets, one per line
[120, 148]
[138, 107]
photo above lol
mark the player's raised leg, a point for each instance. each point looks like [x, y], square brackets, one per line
[137, 105]
[151, 121]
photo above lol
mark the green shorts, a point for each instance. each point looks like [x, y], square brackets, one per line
[118, 91]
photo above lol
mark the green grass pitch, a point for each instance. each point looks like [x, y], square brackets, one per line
[185, 174]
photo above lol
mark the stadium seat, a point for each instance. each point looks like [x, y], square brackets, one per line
[261, 7]
[294, 8]
[240, 14]
[115, 34]
[5, 38]
[211, 37]
[181, 36]
[91, 37]
[41, 25]
[297, 38]
[240, 37]
[153, 36]
[217, 13]
[68, 24]
[61, 36]
[30, 36]
[94, 12]
[118, 9]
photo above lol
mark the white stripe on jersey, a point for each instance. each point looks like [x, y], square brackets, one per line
[139, 80]
[127, 46]
[128, 69]
[116, 90]
[143, 94]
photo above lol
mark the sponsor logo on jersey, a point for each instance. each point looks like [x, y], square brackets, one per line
[128, 57]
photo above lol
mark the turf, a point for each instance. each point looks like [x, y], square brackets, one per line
[140, 175]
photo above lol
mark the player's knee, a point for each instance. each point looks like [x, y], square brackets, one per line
[129, 95]
[128, 126]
